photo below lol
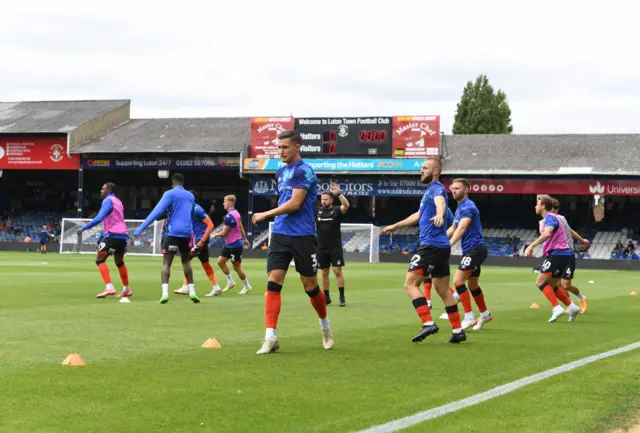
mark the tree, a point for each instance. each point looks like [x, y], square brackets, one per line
[481, 110]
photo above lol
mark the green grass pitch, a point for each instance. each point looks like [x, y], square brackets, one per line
[146, 370]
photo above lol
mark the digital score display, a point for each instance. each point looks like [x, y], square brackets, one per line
[345, 136]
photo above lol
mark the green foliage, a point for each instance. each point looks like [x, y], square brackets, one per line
[482, 111]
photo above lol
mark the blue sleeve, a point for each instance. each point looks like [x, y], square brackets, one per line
[199, 213]
[303, 178]
[160, 208]
[467, 212]
[105, 210]
[450, 218]
[439, 190]
[550, 221]
[100, 239]
[229, 221]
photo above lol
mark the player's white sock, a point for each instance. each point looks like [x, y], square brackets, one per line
[469, 316]
[429, 323]
[110, 286]
[165, 290]
[216, 288]
[229, 279]
[126, 288]
[270, 334]
[184, 287]
[457, 330]
[245, 283]
[581, 296]
[485, 314]
[324, 323]
[192, 289]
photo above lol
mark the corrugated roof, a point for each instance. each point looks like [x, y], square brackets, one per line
[601, 154]
[215, 135]
[52, 116]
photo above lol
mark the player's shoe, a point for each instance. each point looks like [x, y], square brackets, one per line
[268, 346]
[480, 322]
[343, 303]
[557, 312]
[573, 312]
[164, 300]
[583, 305]
[467, 323]
[194, 298]
[125, 293]
[107, 292]
[229, 286]
[327, 338]
[425, 332]
[245, 290]
[182, 291]
[214, 292]
[457, 337]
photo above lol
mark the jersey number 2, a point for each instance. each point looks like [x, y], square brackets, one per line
[414, 261]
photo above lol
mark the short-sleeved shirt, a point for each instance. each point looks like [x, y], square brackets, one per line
[199, 228]
[328, 222]
[302, 222]
[472, 237]
[429, 233]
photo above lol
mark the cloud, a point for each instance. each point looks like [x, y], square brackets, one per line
[563, 68]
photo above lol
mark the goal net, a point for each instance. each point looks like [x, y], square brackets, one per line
[357, 238]
[148, 244]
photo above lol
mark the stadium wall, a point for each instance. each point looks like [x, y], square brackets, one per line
[525, 262]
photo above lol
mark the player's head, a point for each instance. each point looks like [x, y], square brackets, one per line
[556, 205]
[544, 205]
[196, 196]
[107, 188]
[229, 202]
[177, 180]
[326, 199]
[288, 144]
[460, 189]
[431, 168]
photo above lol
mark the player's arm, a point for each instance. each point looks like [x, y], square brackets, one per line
[411, 220]
[105, 210]
[208, 230]
[441, 209]
[579, 238]
[462, 227]
[160, 208]
[451, 230]
[245, 240]
[549, 228]
[222, 233]
[344, 203]
[290, 206]
[227, 224]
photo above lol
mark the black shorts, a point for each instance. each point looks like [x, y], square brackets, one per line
[111, 246]
[330, 257]
[471, 261]
[235, 254]
[430, 260]
[201, 254]
[174, 245]
[302, 249]
[554, 266]
[570, 270]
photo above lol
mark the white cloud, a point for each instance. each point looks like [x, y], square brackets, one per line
[565, 67]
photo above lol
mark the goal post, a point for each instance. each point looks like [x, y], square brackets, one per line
[148, 244]
[357, 238]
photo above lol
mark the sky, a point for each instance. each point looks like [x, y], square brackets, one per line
[566, 67]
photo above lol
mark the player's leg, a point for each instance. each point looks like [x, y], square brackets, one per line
[337, 262]
[278, 259]
[222, 264]
[473, 284]
[567, 284]
[236, 262]
[440, 275]
[546, 283]
[118, 259]
[460, 282]
[304, 250]
[427, 290]
[185, 257]
[418, 265]
[324, 263]
[101, 262]
[203, 256]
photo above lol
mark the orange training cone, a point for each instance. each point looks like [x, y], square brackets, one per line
[212, 343]
[74, 360]
[534, 306]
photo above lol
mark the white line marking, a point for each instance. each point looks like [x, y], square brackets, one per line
[436, 412]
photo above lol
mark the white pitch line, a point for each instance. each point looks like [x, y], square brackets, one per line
[436, 412]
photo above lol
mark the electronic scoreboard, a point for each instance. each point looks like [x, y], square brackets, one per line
[345, 136]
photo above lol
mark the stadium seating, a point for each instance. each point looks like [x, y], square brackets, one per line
[29, 224]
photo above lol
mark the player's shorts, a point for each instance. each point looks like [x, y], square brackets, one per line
[235, 254]
[554, 266]
[201, 254]
[302, 249]
[330, 257]
[471, 261]
[174, 245]
[430, 260]
[570, 271]
[111, 246]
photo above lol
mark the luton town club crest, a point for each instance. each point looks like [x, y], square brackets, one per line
[56, 154]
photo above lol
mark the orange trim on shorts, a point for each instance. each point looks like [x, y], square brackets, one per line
[417, 272]
[548, 274]
[468, 271]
